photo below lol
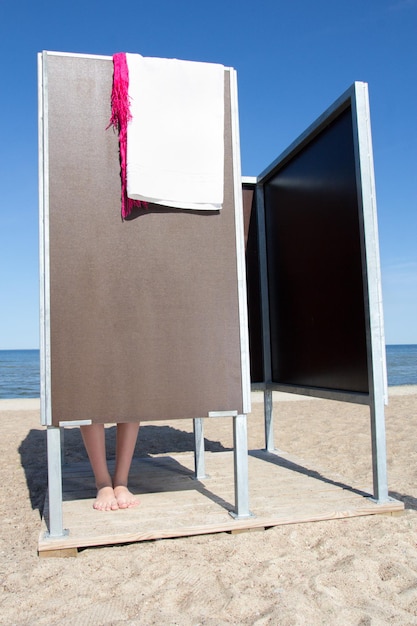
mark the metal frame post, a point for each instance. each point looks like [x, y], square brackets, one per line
[240, 441]
[269, 420]
[379, 453]
[377, 374]
[56, 528]
[199, 456]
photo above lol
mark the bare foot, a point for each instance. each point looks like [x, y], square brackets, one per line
[105, 500]
[125, 499]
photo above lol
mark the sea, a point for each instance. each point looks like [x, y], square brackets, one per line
[19, 370]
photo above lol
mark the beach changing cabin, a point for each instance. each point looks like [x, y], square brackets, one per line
[161, 316]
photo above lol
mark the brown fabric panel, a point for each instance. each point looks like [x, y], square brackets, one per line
[144, 313]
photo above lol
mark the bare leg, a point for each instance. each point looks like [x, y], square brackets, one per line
[127, 434]
[94, 441]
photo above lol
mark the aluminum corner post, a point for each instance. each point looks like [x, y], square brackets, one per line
[56, 528]
[269, 420]
[54, 441]
[379, 454]
[240, 421]
[373, 292]
[199, 459]
[241, 471]
[44, 291]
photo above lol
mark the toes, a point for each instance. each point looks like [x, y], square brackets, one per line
[106, 500]
[125, 499]
[133, 502]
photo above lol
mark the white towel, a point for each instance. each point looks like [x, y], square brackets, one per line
[175, 139]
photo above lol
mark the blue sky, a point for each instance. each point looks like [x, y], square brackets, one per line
[293, 60]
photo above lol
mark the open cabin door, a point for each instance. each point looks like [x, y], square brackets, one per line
[313, 260]
[313, 270]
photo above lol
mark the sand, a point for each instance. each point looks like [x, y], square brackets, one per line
[350, 571]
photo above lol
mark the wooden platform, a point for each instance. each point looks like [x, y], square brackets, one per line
[174, 504]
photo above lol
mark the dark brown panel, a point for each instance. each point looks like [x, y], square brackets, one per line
[144, 313]
[316, 289]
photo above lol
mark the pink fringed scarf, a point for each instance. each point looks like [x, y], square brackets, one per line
[120, 117]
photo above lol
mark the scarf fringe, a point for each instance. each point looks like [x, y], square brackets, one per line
[120, 117]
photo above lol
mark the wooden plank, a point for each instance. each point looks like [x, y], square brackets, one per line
[64, 553]
[173, 504]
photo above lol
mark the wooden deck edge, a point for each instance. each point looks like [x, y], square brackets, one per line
[67, 544]
[62, 553]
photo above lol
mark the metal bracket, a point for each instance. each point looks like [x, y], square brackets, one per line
[47, 535]
[70, 424]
